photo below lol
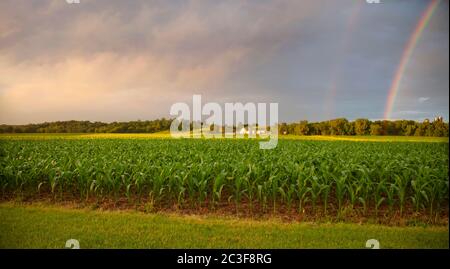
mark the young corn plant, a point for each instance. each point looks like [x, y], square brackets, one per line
[316, 188]
[341, 185]
[401, 187]
[273, 182]
[391, 191]
[289, 195]
[263, 190]
[353, 190]
[302, 191]
[379, 191]
[219, 183]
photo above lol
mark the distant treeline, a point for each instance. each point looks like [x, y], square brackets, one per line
[341, 126]
[90, 127]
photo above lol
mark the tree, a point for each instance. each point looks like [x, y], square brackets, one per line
[423, 128]
[376, 129]
[388, 128]
[410, 129]
[362, 127]
[283, 128]
[301, 128]
[419, 131]
[337, 126]
[324, 128]
[440, 128]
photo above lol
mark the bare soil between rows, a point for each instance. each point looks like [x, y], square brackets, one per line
[247, 210]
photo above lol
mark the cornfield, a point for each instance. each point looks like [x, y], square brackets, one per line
[299, 176]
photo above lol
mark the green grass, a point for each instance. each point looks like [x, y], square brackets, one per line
[38, 226]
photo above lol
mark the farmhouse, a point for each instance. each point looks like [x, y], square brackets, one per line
[246, 131]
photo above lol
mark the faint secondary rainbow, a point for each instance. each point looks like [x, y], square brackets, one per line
[344, 45]
[407, 52]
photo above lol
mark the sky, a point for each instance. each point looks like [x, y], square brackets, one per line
[112, 60]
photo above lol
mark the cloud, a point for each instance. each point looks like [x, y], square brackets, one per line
[411, 112]
[423, 99]
[122, 60]
[106, 60]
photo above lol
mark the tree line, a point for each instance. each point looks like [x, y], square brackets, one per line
[340, 126]
[90, 127]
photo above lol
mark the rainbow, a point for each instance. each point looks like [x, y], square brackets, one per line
[351, 24]
[407, 52]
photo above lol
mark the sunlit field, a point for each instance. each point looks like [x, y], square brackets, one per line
[306, 179]
[303, 178]
[166, 134]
